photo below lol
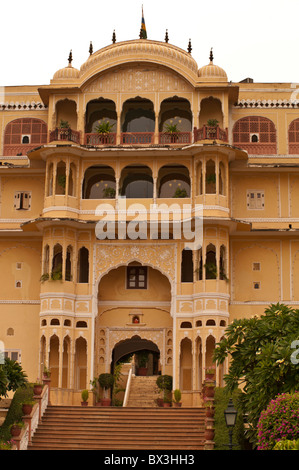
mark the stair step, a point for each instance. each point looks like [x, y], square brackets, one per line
[116, 428]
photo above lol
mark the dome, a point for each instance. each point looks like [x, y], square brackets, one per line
[67, 73]
[212, 72]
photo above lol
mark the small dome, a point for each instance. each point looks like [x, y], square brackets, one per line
[212, 72]
[67, 73]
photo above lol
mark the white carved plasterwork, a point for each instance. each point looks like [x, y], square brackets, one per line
[137, 80]
[158, 256]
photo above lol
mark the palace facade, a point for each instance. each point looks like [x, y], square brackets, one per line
[139, 129]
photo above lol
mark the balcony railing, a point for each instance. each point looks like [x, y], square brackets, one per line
[175, 138]
[10, 150]
[100, 139]
[259, 148]
[137, 138]
[210, 133]
[65, 134]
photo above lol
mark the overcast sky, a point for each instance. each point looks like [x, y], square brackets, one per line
[252, 38]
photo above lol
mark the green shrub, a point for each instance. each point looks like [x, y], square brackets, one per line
[221, 438]
[85, 395]
[15, 414]
[285, 444]
[279, 421]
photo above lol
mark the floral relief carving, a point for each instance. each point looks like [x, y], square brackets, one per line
[159, 256]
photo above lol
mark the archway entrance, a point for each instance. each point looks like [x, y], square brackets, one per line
[144, 353]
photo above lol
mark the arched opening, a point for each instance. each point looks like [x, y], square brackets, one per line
[72, 180]
[210, 108]
[99, 183]
[136, 182]
[66, 362]
[173, 181]
[187, 266]
[210, 347]
[54, 360]
[222, 179]
[210, 265]
[175, 123]
[60, 178]
[210, 177]
[66, 112]
[140, 348]
[80, 363]
[56, 273]
[68, 263]
[186, 365]
[100, 111]
[24, 134]
[138, 121]
[83, 265]
[50, 179]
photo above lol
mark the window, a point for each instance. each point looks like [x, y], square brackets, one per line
[256, 285]
[255, 199]
[14, 355]
[136, 277]
[256, 266]
[22, 200]
[18, 284]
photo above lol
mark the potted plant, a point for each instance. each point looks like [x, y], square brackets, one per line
[210, 411]
[16, 428]
[164, 383]
[173, 130]
[180, 193]
[177, 398]
[142, 363]
[109, 193]
[104, 127]
[209, 390]
[27, 407]
[211, 270]
[46, 373]
[210, 373]
[56, 274]
[212, 122]
[44, 277]
[37, 387]
[84, 396]
[106, 381]
[64, 124]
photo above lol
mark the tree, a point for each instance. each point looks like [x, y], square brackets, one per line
[12, 377]
[262, 358]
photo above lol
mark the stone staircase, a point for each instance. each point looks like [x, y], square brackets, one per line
[114, 428]
[143, 392]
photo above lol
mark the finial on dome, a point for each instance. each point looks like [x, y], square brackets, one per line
[211, 55]
[114, 37]
[166, 36]
[90, 48]
[189, 46]
[70, 58]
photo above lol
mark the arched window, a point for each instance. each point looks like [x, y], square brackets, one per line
[137, 182]
[50, 179]
[187, 266]
[68, 263]
[55, 321]
[186, 324]
[21, 133]
[210, 177]
[57, 262]
[72, 180]
[83, 265]
[222, 179]
[210, 265]
[99, 183]
[60, 178]
[174, 181]
[294, 137]
[46, 259]
[222, 267]
[81, 324]
[256, 134]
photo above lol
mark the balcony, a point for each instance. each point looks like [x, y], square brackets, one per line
[210, 133]
[65, 134]
[100, 139]
[137, 138]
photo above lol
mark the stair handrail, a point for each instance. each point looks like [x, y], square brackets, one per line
[128, 385]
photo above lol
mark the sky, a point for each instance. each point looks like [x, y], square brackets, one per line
[253, 38]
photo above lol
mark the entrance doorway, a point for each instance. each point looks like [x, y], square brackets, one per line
[137, 349]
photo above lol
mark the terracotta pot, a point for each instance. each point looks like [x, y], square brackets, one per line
[209, 392]
[37, 389]
[160, 402]
[209, 434]
[106, 401]
[142, 371]
[210, 412]
[166, 405]
[15, 431]
[84, 403]
[177, 405]
[26, 409]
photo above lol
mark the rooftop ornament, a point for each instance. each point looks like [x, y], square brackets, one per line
[114, 37]
[166, 36]
[70, 58]
[90, 48]
[189, 47]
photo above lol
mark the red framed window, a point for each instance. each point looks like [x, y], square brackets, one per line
[136, 277]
